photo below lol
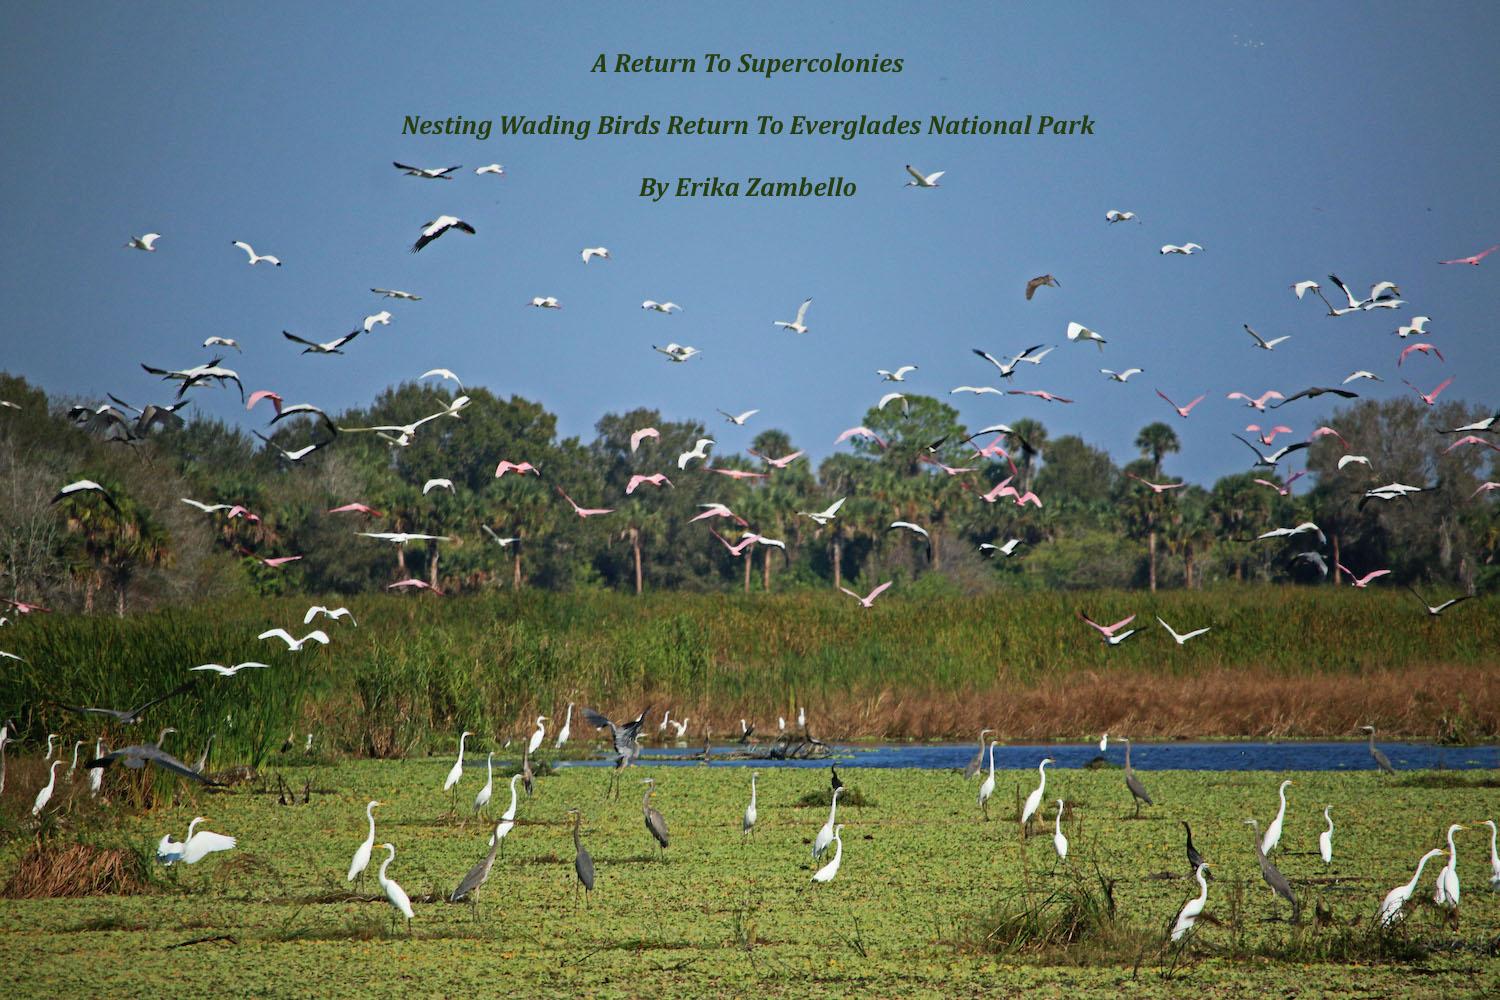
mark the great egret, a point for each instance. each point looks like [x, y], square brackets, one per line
[397, 896]
[1273, 831]
[1446, 893]
[256, 258]
[797, 325]
[828, 871]
[825, 835]
[748, 824]
[538, 736]
[457, 770]
[96, 774]
[74, 765]
[200, 845]
[566, 730]
[1058, 840]
[1494, 858]
[1034, 800]
[362, 853]
[987, 787]
[1193, 907]
[483, 798]
[1325, 839]
[1390, 909]
[655, 824]
[45, 795]
[507, 819]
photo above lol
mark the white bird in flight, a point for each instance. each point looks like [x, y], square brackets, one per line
[738, 420]
[146, 242]
[544, 302]
[677, 353]
[1261, 342]
[589, 253]
[221, 342]
[1115, 215]
[661, 307]
[491, 168]
[824, 516]
[437, 227]
[1123, 376]
[383, 318]
[427, 173]
[396, 293]
[923, 181]
[698, 451]
[797, 325]
[334, 613]
[1077, 332]
[224, 671]
[1182, 638]
[256, 258]
[899, 375]
[1185, 249]
[443, 373]
[294, 645]
[437, 484]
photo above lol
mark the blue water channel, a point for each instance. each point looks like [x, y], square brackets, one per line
[1281, 756]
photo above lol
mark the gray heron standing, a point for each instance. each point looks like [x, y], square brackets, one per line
[978, 761]
[1381, 760]
[1137, 790]
[1277, 881]
[655, 825]
[476, 877]
[626, 739]
[583, 863]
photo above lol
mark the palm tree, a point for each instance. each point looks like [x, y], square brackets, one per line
[1155, 441]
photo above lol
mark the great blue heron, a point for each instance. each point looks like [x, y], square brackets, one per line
[528, 777]
[397, 896]
[748, 825]
[1381, 760]
[978, 761]
[1277, 881]
[1195, 860]
[583, 864]
[1137, 790]
[131, 715]
[361, 859]
[655, 825]
[137, 757]
[626, 739]
[1188, 916]
[1390, 909]
[477, 875]
[1273, 832]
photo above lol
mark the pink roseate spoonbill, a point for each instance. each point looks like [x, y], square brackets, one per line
[22, 607]
[1481, 255]
[949, 469]
[1433, 610]
[1285, 488]
[238, 511]
[777, 463]
[584, 512]
[868, 601]
[719, 510]
[799, 324]
[1001, 489]
[1471, 439]
[1157, 488]
[439, 226]
[413, 583]
[655, 479]
[1257, 402]
[1327, 432]
[259, 394]
[275, 562]
[355, 508]
[1422, 347]
[1182, 411]
[1107, 630]
[739, 473]
[637, 437]
[1268, 435]
[736, 548]
[1484, 488]
[1361, 582]
[1028, 498]
[861, 431]
[1430, 398]
[520, 468]
[1041, 394]
[1263, 343]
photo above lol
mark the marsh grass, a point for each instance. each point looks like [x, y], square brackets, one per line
[55, 870]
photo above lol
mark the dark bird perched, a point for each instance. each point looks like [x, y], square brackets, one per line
[626, 738]
[1194, 858]
[834, 781]
[137, 757]
[1381, 760]
[978, 760]
[655, 825]
[129, 716]
[1314, 392]
[1137, 790]
[1038, 282]
[1277, 881]
[583, 863]
[1269, 461]
[1435, 610]
[477, 875]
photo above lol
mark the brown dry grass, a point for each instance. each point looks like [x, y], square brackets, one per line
[52, 871]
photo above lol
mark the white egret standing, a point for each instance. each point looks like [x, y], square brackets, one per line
[1325, 839]
[1494, 858]
[1190, 910]
[45, 795]
[1446, 894]
[825, 835]
[1273, 832]
[393, 892]
[987, 787]
[457, 771]
[51, 739]
[1390, 909]
[566, 730]
[96, 774]
[1058, 840]
[362, 854]
[828, 871]
[748, 826]
[4, 739]
[538, 736]
[507, 818]
[74, 766]
[1034, 800]
[483, 798]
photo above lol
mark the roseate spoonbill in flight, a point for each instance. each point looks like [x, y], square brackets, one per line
[259, 394]
[1422, 347]
[656, 479]
[1041, 394]
[719, 510]
[868, 601]
[637, 437]
[584, 512]
[1157, 488]
[1267, 436]
[1258, 402]
[1182, 411]
[776, 463]
[1481, 255]
[355, 508]
[860, 431]
[1284, 488]
[413, 582]
[1107, 630]
[520, 468]
[1361, 582]
[1430, 398]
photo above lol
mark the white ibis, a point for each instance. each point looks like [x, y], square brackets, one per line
[256, 258]
[146, 242]
[920, 180]
[797, 325]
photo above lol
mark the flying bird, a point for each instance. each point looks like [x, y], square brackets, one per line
[221, 342]
[1481, 255]
[86, 486]
[899, 375]
[1305, 526]
[698, 451]
[1362, 374]
[295, 645]
[1032, 355]
[1077, 332]
[428, 173]
[256, 258]
[1417, 327]
[1421, 347]
[1434, 610]
[443, 373]
[1123, 376]
[544, 302]
[334, 613]
[355, 508]
[677, 353]
[130, 716]
[1114, 215]
[520, 468]
[797, 325]
[921, 181]
[868, 601]
[146, 242]
[1315, 391]
[776, 463]
[1182, 411]
[1007, 549]
[413, 582]
[661, 307]
[224, 671]
[589, 253]
[331, 347]
[1261, 342]
[1361, 582]
[1043, 280]
[584, 512]
[1186, 248]
[491, 168]
[636, 437]
[656, 479]
[437, 227]
[863, 432]
[738, 421]
[437, 484]
[396, 293]
[1181, 638]
[1257, 402]
[824, 516]
[383, 318]
[1041, 394]
[1430, 398]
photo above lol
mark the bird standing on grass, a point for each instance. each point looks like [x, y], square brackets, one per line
[655, 824]
[1325, 839]
[397, 896]
[1193, 907]
[1273, 831]
[987, 787]
[828, 871]
[1272, 875]
[1034, 800]
[1137, 790]
[361, 860]
[583, 862]
[978, 761]
[825, 834]
[456, 772]
[1058, 840]
[1390, 909]
[748, 824]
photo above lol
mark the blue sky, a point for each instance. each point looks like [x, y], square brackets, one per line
[1290, 141]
